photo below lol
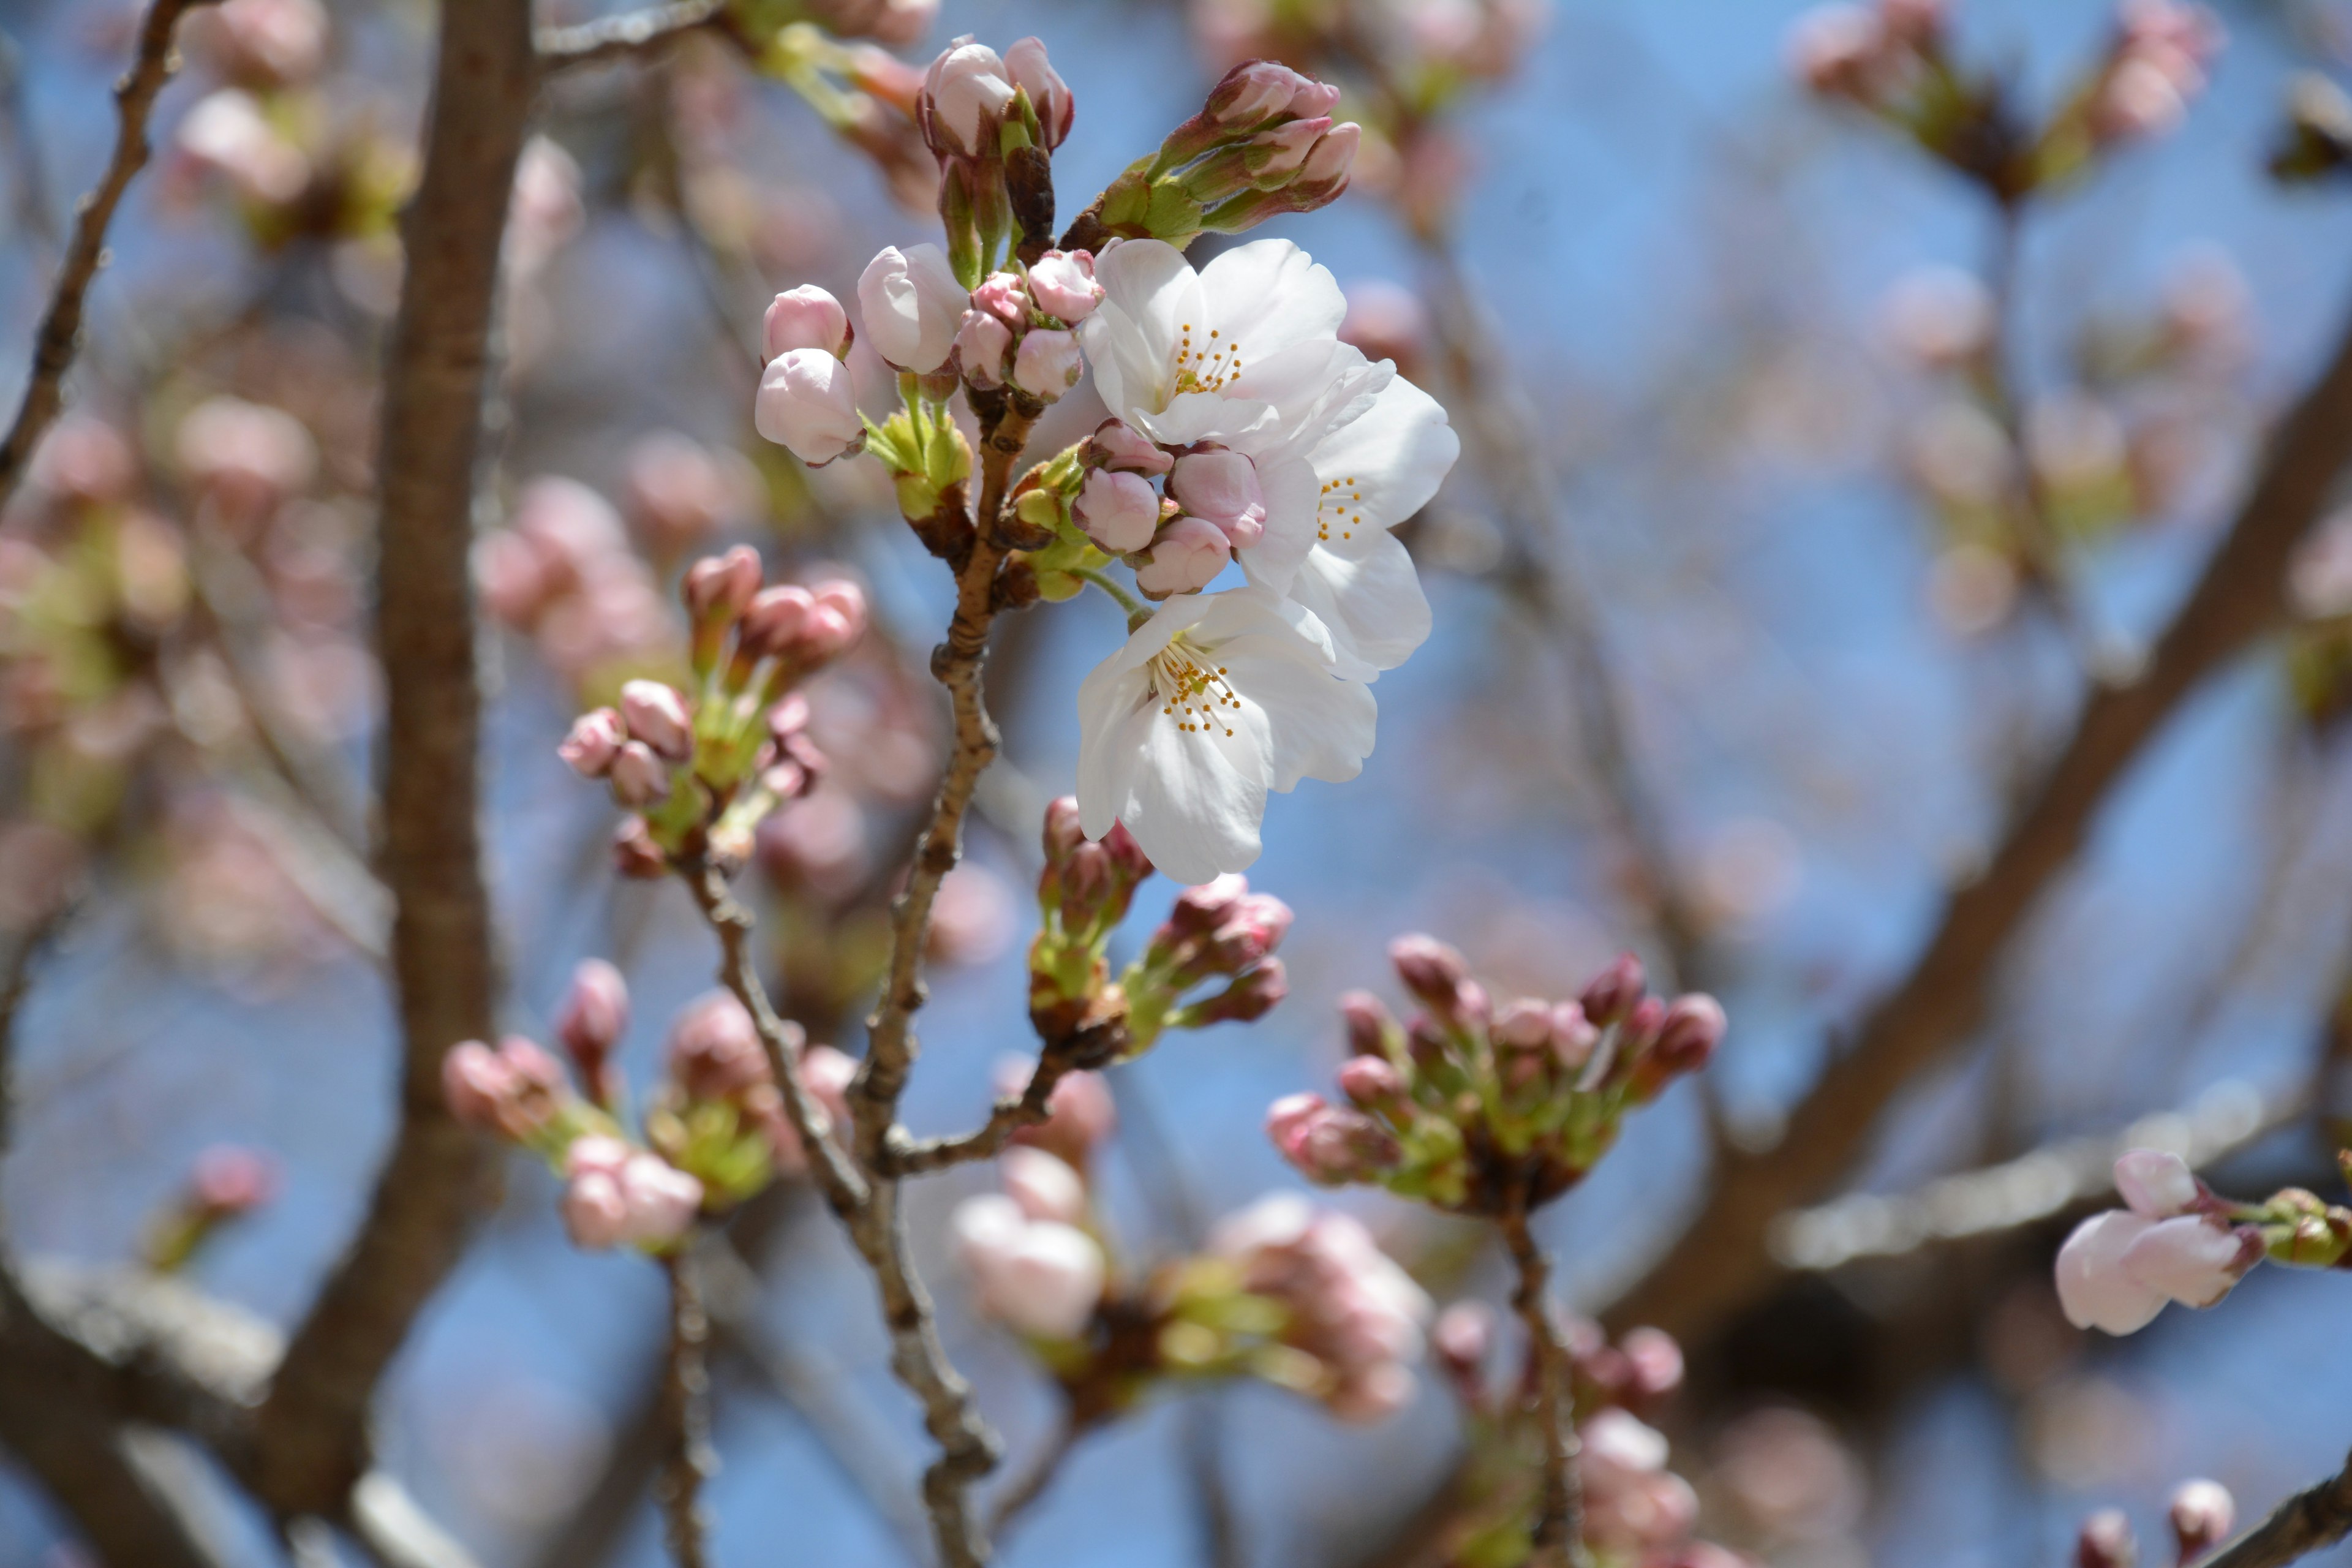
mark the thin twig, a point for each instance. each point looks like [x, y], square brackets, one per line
[1030, 1107]
[687, 1461]
[2312, 1519]
[311, 1431]
[1558, 1538]
[60, 331]
[610, 38]
[1724, 1259]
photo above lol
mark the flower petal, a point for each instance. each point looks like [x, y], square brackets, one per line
[1268, 294]
[1371, 601]
[1321, 725]
[1149, 288]
[1392, 456]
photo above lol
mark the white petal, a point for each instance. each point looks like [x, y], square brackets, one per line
[1149, 289]
[1393, 455]
[1292, 495]
[1321, 725]
[2093, 1289]
[1267, 295]
[1113, 695]
[1193, 811]
[1193, 416]
[1371, 602]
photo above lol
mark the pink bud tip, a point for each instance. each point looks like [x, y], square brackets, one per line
[657, 715]
[595, 1010]
[594, 741]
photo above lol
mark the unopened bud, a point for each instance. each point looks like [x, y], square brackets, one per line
[1126, 853]
[1246, 1000]
[807, 318]
[1368, 1023]
[1372, 1082]
[229, 1179]
[594, 741]
[1461, 1339]
[721, 587]
[1523, 1024]
[1197, 910]
[1062, 833]
[715, 1051]
[2105, 1541]
[595, 1014]
[634, 853]
[657, 715]
[1654, 1363]
[1611, 993]
[1117, 445]
[1328, 1144]
[1254, 929]
[640, 778]
[2202, 1515]
[1435, 973]
[1692, 1029]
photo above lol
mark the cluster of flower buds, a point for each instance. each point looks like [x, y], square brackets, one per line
[2201, 1516]
[1635, 1374]
[699, 774]
[2175, 1240]
[1470, 1105]
[1891, 58]
[720, 1114]
[993, 121]
[563, 575]
[1083, 894]
[715, 1129]
[807, 402]
[1018, 331]
[1263, 145]
[226, 1182]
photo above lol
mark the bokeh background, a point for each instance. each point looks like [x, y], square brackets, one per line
[1711, 302]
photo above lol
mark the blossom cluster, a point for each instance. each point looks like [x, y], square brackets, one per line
[699, 774]
[1892, 59]
[2175, 1240]
[2199, 1516]
[1475, 1106]
[713, 1132]
[1244, 433]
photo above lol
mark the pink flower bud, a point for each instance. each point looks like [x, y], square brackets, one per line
[965, 95]
[656, 714]
[1368, 1021]
[1004, 296]
[1222, 488]
[1654, 1361]
[2105, 1541]
[912, 305]
[1251, 930]
[1246, 1000]
[1252, 91]
[807, 405]
[2156, 1184]
[1572, 1036]
[640, 778]
[662, 1200]
[1044, 1185]
[721, 587]
[1185, 558]
[1281, 150]
[1063, 284]
[1328, 1144]
[1048, 364]
[596, 1211]
[634, 853]
[1611, 993]
[1115, 446]
[1837, 49]
[836, 620]
[229, 1179]
[1119, 512]
[596, 740]
[982, 345]
[777, 620]
[2195, 1259]
[2092, 1287]
[475, 1082]
[1324, 174]
[1203, 908]
[1436, 974]
[714, 1049]
[1038, 1277]
[1463, 1337]
[807, 318]
[1522, 1024]
[2202, 1514]
[1126, 853]
[1049, 95]
[1689, 1033]
[595, 1013]
[1372, 1082]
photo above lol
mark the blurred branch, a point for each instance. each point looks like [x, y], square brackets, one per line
[631, 33]
[1723, 1260]
[686, 1459]
[311, 1431]
[2311, 1521]
[2036, 1187]
[1558, 1538]
[1501, 430]
[60, 330]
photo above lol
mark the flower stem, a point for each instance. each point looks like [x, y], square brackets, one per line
[1557, 1536]
[1109, 585]
[686, 1461]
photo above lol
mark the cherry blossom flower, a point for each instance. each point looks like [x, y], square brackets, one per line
[911, 305]
[1217, 699]
[807, 404]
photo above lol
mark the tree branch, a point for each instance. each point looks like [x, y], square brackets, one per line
[1559, 1535]
[311, 1430]
[2313, 1518]
[59, 337]
[1723, 1260]
[686, 1417]
[630, 34]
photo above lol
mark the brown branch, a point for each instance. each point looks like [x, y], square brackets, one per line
[311, 1430]
[685, 1418]
[2312, 1519]
[1031, 1108]
[60, 336]
[891, 1045]
[1723, 1260]
[1558, 1538]
[630, 34]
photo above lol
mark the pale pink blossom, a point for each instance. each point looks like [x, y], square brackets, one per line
[1119, 512]
[1049, 95]
[1044, 1185]
[1117, 446]
[2093, 1289]
[807, 404]
[596, 740]
[1221, 487]
[983, 346]
[656, 713]
[2156, 1184]
[1351, 1307]
[2202, 1514]
[2195, 1259]
[595, 1010]
[277, 42]
[806, 318]
[966, 93]
[640, 778]
[615, 1194]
